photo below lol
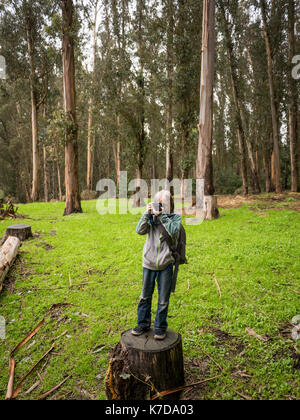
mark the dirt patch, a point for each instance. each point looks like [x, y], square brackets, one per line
[46, 246]
[196, 371]
[290, 201]
[223, 338]
[10, 279]
[35, 235]
[296, 360]
[285, 330]
[19, 267]
[271, 201]
[288, 353]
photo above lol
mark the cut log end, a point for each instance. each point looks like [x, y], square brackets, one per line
[141, 366]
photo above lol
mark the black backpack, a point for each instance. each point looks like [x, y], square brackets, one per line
[178, 252]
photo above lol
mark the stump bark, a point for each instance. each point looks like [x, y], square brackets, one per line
[22, 232]
[8, 254]
[141, 366]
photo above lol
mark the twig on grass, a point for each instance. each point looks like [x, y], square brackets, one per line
[99, 349]
[251, 332]
[20, 384]
[10, 385]
[246, 397]
[45, 395]
[218, 286]
[217, 364]
[295, 291]
[61, 335]
[29, 336]
[32, 388]
[181, 388]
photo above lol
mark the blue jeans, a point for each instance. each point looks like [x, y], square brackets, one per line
[164, 282]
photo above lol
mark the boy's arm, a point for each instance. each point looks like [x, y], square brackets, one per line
[143, 225]
[172, 225]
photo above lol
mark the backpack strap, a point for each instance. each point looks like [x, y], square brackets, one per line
[165, 236]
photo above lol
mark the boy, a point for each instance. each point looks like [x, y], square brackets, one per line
[157, 262]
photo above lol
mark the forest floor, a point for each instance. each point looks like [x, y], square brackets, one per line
[233, 305]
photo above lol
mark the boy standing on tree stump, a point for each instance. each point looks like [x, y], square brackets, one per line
[158, 220]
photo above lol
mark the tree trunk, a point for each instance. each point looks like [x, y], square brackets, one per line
[141, 366]
[91, 135]
[58, 170]
[117, 152]
[8, 253]
[240, 114]
[170, 75]
[275, 125]
[46, 193]
[267, 162]
[73, 204]
[89, 147]
[25, 167]
[205, 165]
[293, 107]
[243, 162]
[35, 190]
[141, 136]
[118, 157]
[138, 200]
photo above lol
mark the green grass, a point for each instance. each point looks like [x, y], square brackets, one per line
[253, 256]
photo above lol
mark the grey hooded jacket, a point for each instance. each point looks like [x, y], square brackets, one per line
[156, 254]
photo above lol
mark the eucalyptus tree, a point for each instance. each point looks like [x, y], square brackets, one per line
[293, 100]
[27, 51]
[73, 204]
[232, 13]
[274, 108]
[204, 162]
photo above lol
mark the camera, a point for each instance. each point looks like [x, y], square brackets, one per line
[157, 207]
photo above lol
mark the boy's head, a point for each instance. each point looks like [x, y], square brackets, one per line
[166, 199]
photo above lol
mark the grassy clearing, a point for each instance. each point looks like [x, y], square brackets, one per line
[93, 263]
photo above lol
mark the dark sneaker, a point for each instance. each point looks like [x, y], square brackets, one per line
[139, 330]
[160, 335]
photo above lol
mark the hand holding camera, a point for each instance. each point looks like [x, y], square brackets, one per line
[155, 208]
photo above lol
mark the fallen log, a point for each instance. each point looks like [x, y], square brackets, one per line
[8, 253]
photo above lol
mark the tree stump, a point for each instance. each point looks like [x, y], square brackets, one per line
[141, 366]
[20, 231]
